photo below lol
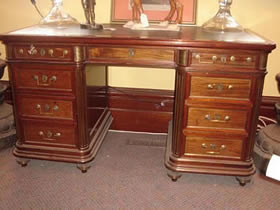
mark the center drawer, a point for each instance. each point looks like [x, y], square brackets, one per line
[143, 56]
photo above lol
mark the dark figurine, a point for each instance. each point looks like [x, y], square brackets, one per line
[88, 6]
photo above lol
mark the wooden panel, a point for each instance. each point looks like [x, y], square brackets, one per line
[45, 107]
[142, 110]
[140, 121]
[224, 58]
[41, 79]
[43, 52]
[205, 86]
[217, 118]
[49, 134]
[204, 146]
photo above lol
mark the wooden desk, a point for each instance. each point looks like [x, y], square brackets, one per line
[219, 82]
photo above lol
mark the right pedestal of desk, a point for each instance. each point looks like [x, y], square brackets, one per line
[217, 98]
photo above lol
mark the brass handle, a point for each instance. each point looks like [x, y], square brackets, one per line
[210, 86]
[213, 147]
[20, 51]
[223, 147]
[49, 134]
[198, 57]
[232, 58]
[50, 51]
[249, 59]
[64, 53]
[45, 80]
[55, 108]
[219, 87]
[217, 118]
[47, 109]
[32, 50]
[214, 58]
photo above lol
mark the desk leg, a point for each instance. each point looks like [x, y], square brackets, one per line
[83, 167]
[22, 161]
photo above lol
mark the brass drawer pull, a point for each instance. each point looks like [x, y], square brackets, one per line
[213, 147]
[55, 108]
[249, 59]
[232, 58]
[223, 147]
[219, 87]
[64, 53]
[198, 57]
[217, 118]
[210, 86]
[45, 80]
[50, 51]
[21, 51]
[32, 50]
[48, 135]
[47, 109]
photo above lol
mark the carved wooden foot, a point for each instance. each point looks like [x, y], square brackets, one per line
[83, 167]
[243, 180]
[173, 175]
[22, 161]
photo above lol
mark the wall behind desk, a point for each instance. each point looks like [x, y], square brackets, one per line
[260, 16]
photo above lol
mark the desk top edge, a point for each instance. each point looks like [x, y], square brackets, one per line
[188, 36]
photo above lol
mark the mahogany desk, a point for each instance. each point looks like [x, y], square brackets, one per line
[219, 82]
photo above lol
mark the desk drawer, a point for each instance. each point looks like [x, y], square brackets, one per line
[45, 107]
[217, 118]
[49, 133]
[205, 86]
[43, 52]
[131, 54]
[213, 147]
[224, 58]
[33, 77]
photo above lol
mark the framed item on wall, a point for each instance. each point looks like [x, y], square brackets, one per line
[156, 10]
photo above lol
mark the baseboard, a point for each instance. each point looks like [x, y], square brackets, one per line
[147, 110]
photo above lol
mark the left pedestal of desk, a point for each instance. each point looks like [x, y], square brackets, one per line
[51, 104]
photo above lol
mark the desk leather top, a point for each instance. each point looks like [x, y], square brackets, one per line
[188, 36]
